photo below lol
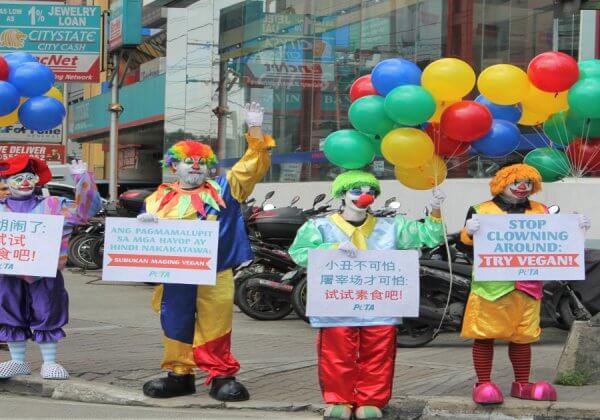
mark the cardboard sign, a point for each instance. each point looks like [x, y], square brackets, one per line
[374, 284]
[170, 251]
[30, 244]
[529, 247]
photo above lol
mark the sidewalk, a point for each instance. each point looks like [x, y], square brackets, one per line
[114, 346]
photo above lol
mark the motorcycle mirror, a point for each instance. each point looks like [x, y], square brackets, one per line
[269, 195]
[553, 209]
[252, 200]
[389, 201]
[295, 200]
[394, 205]
[268, 207]
[318, 199]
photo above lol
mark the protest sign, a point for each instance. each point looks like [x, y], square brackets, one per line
[170, 251]
[374, 284]
[30, 244]
[529, 247]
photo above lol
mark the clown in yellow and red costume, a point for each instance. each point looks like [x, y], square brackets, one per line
[197, 320]
[506, 310]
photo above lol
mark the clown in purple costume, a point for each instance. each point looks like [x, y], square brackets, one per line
[38, 307]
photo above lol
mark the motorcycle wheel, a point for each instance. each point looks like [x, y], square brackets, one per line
[79, 252]
[258, 304]
[412, 333]
[97, 251]
[566, 311]
[299, 299]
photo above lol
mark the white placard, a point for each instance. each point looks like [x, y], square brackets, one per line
[529, 247]
[30, 244]
[170, 251]
[374, 284]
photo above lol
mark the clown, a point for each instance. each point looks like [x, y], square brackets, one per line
[506, 310]
[356, 355]
[196, 320]
[33, 307]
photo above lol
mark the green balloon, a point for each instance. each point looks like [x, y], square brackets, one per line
[589, 68]
[581, 126]
[349, 149]
[409, 105]
[376, 142]
[552, 164]
[584, 98]
[556, 129]
[367, 115]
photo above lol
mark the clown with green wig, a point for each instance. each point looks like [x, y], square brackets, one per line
[356, 354]
[197, 320]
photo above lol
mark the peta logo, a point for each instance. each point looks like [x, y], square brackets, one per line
[12, 38]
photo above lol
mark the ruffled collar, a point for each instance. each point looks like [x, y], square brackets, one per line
[172, 196]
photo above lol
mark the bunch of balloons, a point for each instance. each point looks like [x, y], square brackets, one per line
[27, 93]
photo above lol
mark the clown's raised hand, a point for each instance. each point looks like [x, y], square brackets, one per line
[78, 167]
[253, 115]
[437, 198]
[584, 222]
[349, 249]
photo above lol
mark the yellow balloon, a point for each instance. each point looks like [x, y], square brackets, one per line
[542, 102]
[54, 93]
[440, 107]
[503, 84]
[532, 117]
[13, 117]
[424, 177]
[448, 78]
[407, 147]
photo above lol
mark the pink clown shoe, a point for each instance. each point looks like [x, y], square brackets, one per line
[487, 393]
[538, 391]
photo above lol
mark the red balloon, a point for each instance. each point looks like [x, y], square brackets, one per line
[585, 155]
[553, 71]
[466, 121]
[362, 87]
[444, 145]
[3, 69]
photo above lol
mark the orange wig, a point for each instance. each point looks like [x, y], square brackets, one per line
[512, 173]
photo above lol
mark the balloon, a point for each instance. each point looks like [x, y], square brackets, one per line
[444, 145]
[55, 93]
[407, 147]
[9, 98]
[581, 126]
[3, 69]
[466, 121]
[13, 117]
[585, 155]
[423, 177]
[503, 84]
[546, 103]
[41, 113]
[552, 164]
[367, 115]
[409, 105]
[32, 79]
[501, 140]
[584, 98]
[556, 129]
[589, 68]
[448, 78]
[362, 87]
[15, 59]
[553, 71]
[531, 117]
[395, 72]
[348, 149]
[510, 113]
[440, 107]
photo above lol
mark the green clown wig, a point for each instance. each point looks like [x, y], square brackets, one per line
[189, 148]
[353, 179]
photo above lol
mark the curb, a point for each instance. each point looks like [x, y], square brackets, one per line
[409, 407]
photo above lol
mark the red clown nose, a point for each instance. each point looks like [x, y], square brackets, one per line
[365, 200]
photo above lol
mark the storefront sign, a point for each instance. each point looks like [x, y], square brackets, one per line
[65, 38]
[30, 244]
[374, 284]
[51, 153]
[17, 133]
[170, 251]
[529, 247]
[125, 23]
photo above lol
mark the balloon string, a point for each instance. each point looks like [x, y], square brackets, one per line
[570, 169]
[588, 166]
[562, 164]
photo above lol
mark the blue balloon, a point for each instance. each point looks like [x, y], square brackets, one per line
[41, 113]
[9, 98]
[32, 79]
[501, 140]
[510, 113]
[394, 72]
[15, 59]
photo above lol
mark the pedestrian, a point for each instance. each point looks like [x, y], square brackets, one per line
[4, 190]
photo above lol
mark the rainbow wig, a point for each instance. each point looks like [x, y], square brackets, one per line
[189, 148]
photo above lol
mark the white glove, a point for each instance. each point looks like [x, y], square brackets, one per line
[437, 199]
[78, 167]
[584, 222]
[147, 218]
[349, 249]
[472, 226]
[253, 114]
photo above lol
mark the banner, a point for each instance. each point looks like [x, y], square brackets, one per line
[529, 247]
[374, 284]
[16, 133]
[51, 153]
[170, 251]
[30, 244]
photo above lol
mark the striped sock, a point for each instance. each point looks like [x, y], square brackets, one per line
[17, 350]
[49, 351]
[520, 357]
[483, 355]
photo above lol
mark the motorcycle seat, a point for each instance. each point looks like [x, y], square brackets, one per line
[458, 268]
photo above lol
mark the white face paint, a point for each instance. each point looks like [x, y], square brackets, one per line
[23, 184]
[356, 203]
[518, 191]
[191, 172]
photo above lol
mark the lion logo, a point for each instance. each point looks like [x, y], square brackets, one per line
[12, 38]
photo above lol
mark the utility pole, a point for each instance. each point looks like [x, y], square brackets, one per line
[115, 109]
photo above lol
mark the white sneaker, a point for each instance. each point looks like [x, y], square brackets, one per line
[54, 371]
[14, 368]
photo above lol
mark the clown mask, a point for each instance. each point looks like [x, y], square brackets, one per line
[518, 191]
[357, 201]
[23, 184]
[191, 172]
